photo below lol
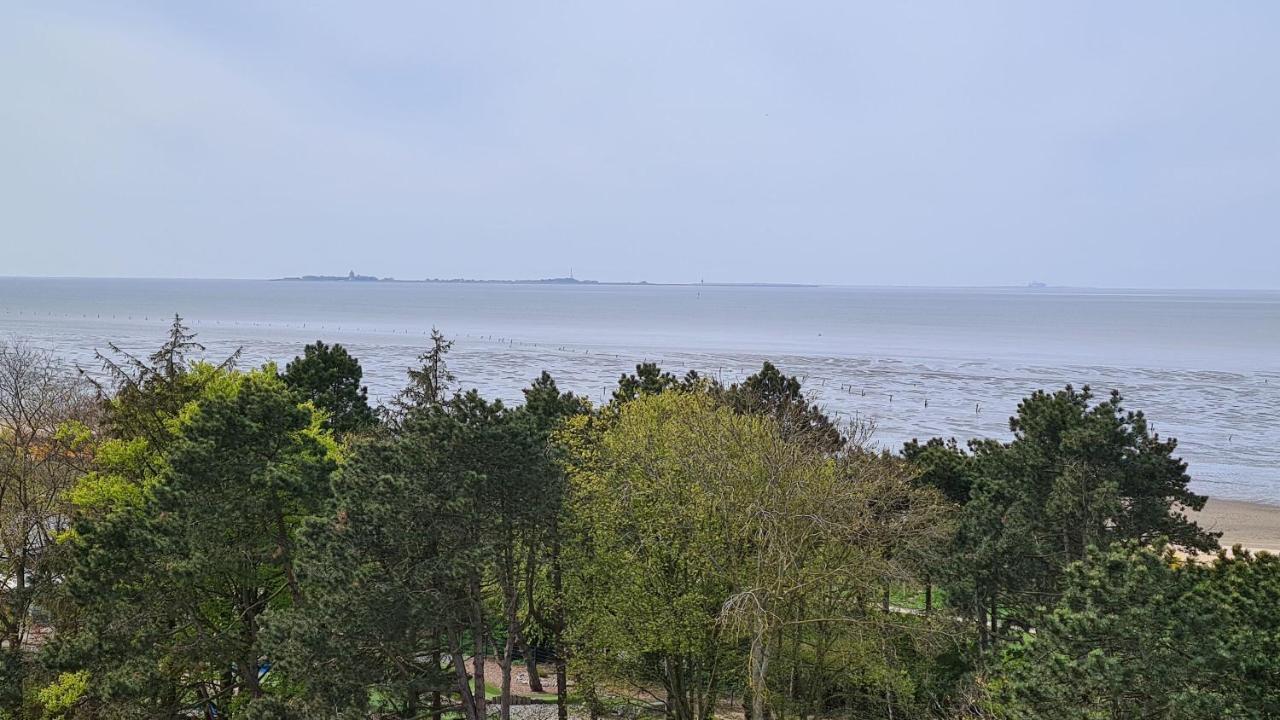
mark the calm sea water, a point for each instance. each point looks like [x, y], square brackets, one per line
[1205, 366]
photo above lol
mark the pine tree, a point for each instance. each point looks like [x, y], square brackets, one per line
[1140, 634]
[770, 392]
[170, 590]
[1076, 475]
[330, 377]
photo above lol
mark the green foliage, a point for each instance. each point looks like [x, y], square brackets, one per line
[649, 379]
[169, 592]
[1139, 634]
[1077, 474]
[711, 545]
[60, 698]
[382, 572]
[330, 378]
[769, 392]
[120, 480]
[142, 395]
[943, 465]
[427, 519]
[431, 383]
[227, 557]
[647, 565]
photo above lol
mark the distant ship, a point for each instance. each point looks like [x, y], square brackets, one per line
[1036, 285]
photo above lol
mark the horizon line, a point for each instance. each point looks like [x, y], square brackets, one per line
[653, 283]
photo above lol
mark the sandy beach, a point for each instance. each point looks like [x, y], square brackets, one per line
[1256, 526]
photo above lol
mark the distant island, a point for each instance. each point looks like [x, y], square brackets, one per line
[349, 277]
[540, 281]
[353, 277]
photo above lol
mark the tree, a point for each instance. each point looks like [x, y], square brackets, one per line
[140, 395]
[384, 573]
[171, 589]
[544, 413]
[647, 566]
[828, 536]
[701, 532]
[769, 392]
[649, 379]
[330, 377]
[1139, 634]
[43, 414]
[1076, 474]
[484, 440]
[140, 400]
[434, 524]
[943, 465]
[431, 383]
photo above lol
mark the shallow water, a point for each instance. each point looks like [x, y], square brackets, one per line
[1205, 366]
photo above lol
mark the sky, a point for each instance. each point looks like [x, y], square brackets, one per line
[1132, 144]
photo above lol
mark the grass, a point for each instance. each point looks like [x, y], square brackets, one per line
[912, 598]
[490, 692]
[494, 692]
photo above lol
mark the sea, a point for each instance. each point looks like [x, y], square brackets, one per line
[917, 362]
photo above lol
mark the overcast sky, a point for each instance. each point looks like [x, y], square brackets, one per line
[1131, 144]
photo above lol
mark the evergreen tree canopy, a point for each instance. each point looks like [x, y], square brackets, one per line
[170, 588]
[943, 465]
[1139, 634]
[330, 377]
[432, 525]
[1076, 474]
[649, 379]
[770, 392]
[202, 546]
[431, 383]
[140, 395]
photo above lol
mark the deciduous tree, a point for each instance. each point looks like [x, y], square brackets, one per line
[44, 408]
